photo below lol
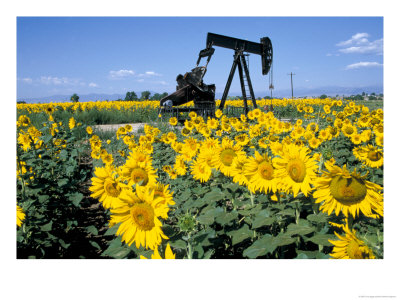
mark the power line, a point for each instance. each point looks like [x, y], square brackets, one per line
[291, 81]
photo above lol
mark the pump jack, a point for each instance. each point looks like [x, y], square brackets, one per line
[191, 86]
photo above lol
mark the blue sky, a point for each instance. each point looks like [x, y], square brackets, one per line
[65, 55]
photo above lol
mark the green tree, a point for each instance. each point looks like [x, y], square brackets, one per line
[156, 96]
[74, 98]
[145, 95]
[131, 96]
[323, 96]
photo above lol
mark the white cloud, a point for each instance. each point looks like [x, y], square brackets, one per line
[358, 38]
[121, 74]
[140, 80]
[149, 74]
[363, 64]
[50, 80]
[359, 43]
[329, 54]
[26, 80]
[162, 82]
[92, 84]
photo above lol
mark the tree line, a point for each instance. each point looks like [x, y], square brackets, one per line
[146, 95]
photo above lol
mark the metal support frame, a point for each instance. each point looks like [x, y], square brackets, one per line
[239, 62]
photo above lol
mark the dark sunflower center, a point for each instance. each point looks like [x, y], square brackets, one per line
[374, 121]
[112, 188]
[348, 191]
[355, 251]
[296, 170]
[227, 156]
[374, 155]
[349, 130]
[266, 171]
[139, 176]
[143, 216]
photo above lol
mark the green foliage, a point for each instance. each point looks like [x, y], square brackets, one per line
[145, 95]
[51, 194]
[74, 98]
[131, 96]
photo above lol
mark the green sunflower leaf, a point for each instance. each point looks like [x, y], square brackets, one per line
[76, 198]
[262, 219]
[241, 234]
[179, 244]
[213, 196]
[47, 227]
[294, 229]
[92, 229]
[319, 218]
[260, 247]
[321, 239]
[111, 231]
[227, 217]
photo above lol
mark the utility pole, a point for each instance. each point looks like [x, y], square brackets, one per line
[291, 81]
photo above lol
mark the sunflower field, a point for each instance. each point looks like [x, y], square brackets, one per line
[246, 186]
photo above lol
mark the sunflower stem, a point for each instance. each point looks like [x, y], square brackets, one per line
[297, 213]
[350, 221]
[189, 248]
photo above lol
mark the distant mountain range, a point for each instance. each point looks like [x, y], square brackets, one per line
[66, 98]
[284, 93]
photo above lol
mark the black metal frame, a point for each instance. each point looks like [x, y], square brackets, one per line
[206, 109]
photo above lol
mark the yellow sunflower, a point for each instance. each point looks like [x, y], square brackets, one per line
[180, 166]
[156, 255]
[242, 139]
[139, 218]
[185, 131]
[106, 187]
[356, 139]
[71, 123]
[263, 142]
[372, 156]
[340, 190]
[379, 141]
[225, 154]
[350, 247]
[25, 140]
[260, 171]
[201, 171]
[349, 129]
[138, 172]
[238, 171]
[212, 123]
[192, 114]
[295, 169]
[23, 121]
[20, 216]
[209, 143]
[173, 121]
